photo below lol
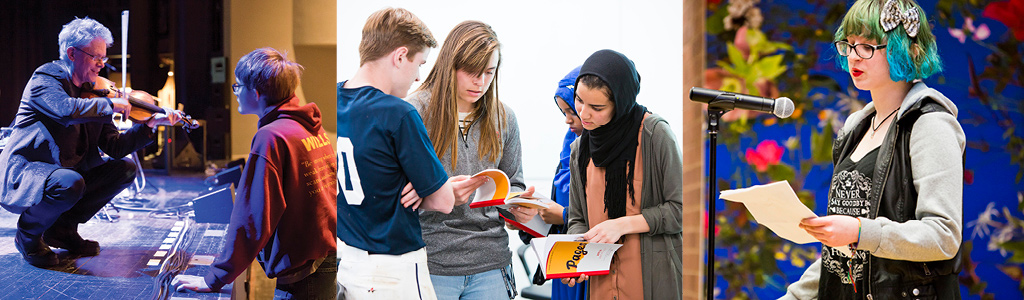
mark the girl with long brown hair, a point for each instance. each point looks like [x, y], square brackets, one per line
[471, 131]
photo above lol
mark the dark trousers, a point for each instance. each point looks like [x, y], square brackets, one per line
[72, 197]
[322, 284]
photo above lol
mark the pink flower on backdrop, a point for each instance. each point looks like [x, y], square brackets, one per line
[1009, 13]
[767, 153]
[977, 33]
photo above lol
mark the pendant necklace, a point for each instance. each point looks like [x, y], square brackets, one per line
[875, 129]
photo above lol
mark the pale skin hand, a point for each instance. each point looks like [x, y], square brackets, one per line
[410, 198]
[834, 230]
[524, 214]
[610, 231]
[553, 214]
[189, 282]
[462, 187]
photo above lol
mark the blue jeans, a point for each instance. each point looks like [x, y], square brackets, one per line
[489, 285]
[322, 284]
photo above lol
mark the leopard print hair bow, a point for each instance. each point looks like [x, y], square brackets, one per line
[892, 17]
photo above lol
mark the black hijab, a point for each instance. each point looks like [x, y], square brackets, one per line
[613, 146]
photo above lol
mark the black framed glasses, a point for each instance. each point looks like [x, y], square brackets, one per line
[865, 51]
[236, 88]
[101, 60]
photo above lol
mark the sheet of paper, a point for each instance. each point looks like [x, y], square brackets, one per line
[776, 206]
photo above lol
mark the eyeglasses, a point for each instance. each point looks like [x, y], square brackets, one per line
[101, 60]
[236, 87]
[861, 49]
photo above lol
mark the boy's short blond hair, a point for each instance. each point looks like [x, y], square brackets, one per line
[390, 28]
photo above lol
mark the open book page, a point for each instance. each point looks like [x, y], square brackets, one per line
[493, 191]
[776, 206]
[531, 202]
[497, 191]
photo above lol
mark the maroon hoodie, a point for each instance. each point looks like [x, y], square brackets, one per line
[285, 207]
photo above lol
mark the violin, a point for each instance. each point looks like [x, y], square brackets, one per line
[143, 104]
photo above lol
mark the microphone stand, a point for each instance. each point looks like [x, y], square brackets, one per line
[716, 108]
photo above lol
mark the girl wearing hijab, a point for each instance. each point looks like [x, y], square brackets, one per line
[625, 174]
[471, 131]
[557, 213]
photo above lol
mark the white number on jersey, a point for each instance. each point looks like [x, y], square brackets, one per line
[348, 177]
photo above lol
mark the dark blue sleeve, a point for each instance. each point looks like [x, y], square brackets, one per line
[416, 155]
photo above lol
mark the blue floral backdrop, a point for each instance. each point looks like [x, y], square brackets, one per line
[776, 48]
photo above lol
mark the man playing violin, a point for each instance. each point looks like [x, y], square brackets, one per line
[53, 171]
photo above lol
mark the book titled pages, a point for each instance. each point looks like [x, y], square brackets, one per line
[568, 255]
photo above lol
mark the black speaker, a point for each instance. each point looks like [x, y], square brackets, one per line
[229, 175]
[215, 206]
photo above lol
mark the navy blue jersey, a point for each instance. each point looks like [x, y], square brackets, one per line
[382, 146]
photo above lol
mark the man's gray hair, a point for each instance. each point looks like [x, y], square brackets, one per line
[79, 32]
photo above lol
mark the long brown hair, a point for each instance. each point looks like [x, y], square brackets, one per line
[468, 47]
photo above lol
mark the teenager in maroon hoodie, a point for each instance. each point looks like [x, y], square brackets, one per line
[284, 213]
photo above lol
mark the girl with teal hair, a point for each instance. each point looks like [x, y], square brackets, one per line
[895, 206]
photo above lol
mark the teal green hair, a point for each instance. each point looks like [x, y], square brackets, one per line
[909, 58]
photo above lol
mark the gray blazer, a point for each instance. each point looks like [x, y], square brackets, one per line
[661, 250]
[55, 129]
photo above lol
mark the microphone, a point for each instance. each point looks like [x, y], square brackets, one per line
[781, 107]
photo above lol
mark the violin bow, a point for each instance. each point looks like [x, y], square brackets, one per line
[124, 49]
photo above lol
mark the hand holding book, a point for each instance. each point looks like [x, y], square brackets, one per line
[463, 189]
[523, 214]
[496, 191]
[571, 282]
[609, 231]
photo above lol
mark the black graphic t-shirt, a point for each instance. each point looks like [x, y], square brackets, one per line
[851, 185]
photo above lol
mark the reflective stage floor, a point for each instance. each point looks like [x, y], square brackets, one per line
[142, 243]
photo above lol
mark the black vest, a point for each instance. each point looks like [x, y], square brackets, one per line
[895, 197]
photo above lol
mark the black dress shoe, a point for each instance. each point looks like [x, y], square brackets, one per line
[66, 237]
[34, 251]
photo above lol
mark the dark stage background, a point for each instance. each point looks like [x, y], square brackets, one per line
[164, 35]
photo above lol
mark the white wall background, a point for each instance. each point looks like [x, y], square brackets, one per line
[541, 42]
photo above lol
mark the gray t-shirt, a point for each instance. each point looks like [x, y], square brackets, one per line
[470, 241]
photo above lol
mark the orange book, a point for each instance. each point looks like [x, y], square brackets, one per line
[567, 256]
[496, 192]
